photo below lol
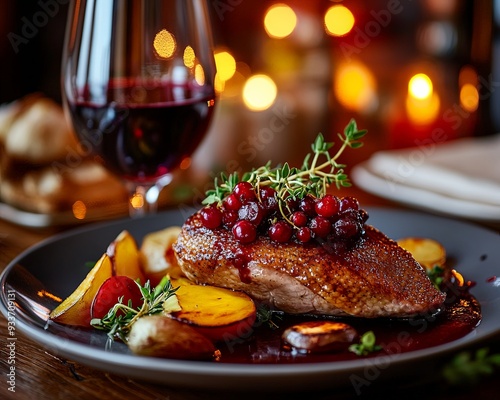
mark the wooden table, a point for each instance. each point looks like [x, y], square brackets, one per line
[41, 375]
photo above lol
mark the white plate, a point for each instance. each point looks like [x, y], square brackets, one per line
[57, 265]
[365, 178]
[456, 178]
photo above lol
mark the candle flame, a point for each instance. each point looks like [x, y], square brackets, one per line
[420, 86]
[422, 103]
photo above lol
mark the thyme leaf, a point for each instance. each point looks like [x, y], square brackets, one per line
[120, 318]
[318, 171]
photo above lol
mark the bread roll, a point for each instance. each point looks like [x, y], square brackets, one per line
[40, 134]
[35, 174]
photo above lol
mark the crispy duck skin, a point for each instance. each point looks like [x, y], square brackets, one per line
[373, 278]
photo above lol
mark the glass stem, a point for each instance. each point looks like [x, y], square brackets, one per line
[143, 199]
[153, 193]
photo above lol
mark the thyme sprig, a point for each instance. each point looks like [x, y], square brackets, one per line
[120, 318]
[318, 171]
[467, 368]
[267, 316]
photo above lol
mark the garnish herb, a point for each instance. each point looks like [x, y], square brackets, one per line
[89, 264]
[436, 276]
[367, 344]
[312, 178]
[267, 316]
[120, 318]
[466, 368]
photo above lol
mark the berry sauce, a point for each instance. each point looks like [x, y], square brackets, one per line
[264, 345]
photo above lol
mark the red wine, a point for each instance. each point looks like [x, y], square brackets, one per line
[144, 132]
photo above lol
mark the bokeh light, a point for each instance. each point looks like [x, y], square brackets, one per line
[199, 74]
[164, 44]
[355, 87]
[339, 20]
[280, 21]
[468, 82]
[469, 97]
[259, 92]
[420, 86]
[137, 201]
[226, 65]
[189, 57]
[79, 209]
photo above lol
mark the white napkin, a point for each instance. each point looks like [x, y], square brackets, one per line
[460, 176]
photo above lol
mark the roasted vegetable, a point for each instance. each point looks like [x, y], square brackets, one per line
[161, 336]
[217, 313]
[157, 256]
[428, 252]
[75, 309]
[320, 336]
[124, 255]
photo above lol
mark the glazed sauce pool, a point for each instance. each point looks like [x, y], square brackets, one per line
[263, 345]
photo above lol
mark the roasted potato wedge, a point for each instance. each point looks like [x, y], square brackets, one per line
[428, 252]
[161, 336]
[124, 255]
[217, 313]
[320, 336]
[75, 309]
[157, 256]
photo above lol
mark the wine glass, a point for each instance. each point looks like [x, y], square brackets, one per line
[138, 86]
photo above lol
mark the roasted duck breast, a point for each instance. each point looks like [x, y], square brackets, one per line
[373, 277]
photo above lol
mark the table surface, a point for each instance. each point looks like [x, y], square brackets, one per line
[42, 375]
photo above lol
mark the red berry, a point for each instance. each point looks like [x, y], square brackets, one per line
[229, 218]
[363, 216]
[292, 204]
[304, 234]
[245, 191]
[110, 291]
[232, 202]
[244, 231]
[252, 211]
[280, 232]
[349, 203]
[320, 226]
[211, 217]
[307, 205]
[299, 218]
[327, 206]
[268, 198]
[346, 228]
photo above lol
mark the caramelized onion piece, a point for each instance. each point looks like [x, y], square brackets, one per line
[320, 336]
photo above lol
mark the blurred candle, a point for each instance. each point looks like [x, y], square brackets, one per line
[422, 102]
[355, 87]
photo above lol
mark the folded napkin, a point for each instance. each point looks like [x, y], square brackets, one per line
[460, 176]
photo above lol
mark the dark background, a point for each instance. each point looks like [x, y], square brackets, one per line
[32, 64]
